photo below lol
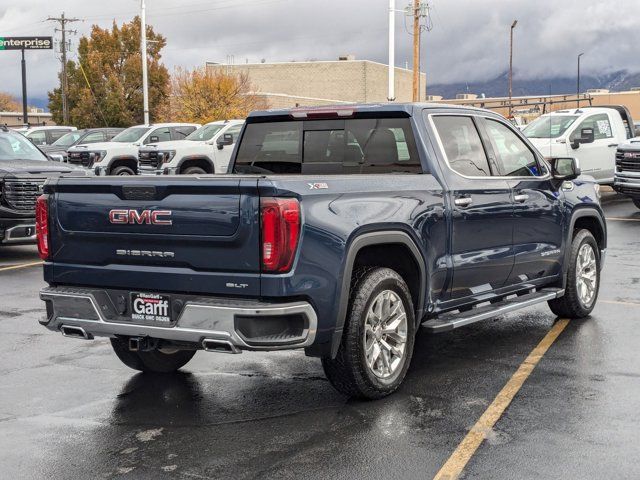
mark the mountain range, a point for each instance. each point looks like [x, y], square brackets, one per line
[499, 86]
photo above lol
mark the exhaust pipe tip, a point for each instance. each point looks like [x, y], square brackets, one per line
[219, 346]
[75, 332]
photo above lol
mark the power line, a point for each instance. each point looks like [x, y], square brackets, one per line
[62, 20]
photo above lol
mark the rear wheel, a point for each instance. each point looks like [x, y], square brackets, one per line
[122, 171]
[378, 337]
[636, 202]
[194, 171]
[157, 360]
[583, 278]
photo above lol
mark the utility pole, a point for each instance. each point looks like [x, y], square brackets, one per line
[63, 50]
[143, 52]
[513, 26]
[416, 50]
[578, 86]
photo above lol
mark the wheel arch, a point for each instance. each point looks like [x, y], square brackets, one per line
[201, 161]
[126, 161]
[378, 239]
[590, 219]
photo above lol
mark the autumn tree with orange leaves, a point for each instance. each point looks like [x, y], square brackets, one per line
[8, 103]
[203, 96]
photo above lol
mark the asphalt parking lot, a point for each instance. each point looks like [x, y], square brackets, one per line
[70, 409]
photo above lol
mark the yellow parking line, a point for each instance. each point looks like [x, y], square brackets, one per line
[618, 219]
[24, 265]
[466, 449]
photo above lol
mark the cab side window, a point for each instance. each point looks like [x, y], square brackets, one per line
[462, 145]
[56, 134]
[38, 138]
[162, 134]
[600, 124]
[234, 131]
[180, 133]
[514, 158]
[93, 137]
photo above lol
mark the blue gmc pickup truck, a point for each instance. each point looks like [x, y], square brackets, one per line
[339, 230]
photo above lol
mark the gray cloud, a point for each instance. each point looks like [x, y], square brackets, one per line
[469, 39]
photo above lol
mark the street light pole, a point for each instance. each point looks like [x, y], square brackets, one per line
[143, 53]
[578, 82]
[513, 26]
[392, 51]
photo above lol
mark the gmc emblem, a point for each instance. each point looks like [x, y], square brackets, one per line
[149, 217]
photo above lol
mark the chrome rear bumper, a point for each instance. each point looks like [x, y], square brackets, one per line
[200, 321]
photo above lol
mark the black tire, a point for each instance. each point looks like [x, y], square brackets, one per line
[571, 305]
[349, 372]
[194, 171]
[154, 361]
[636, 202]
[122, 170]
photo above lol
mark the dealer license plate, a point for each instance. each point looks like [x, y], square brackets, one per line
[150, 307]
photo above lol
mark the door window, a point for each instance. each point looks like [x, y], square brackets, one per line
[180, 133]
[38, 138]
[56, 134]
[234, 131]
[93, 137]
[163, 134]
[600, 124]
[462, 145]
[514, 158]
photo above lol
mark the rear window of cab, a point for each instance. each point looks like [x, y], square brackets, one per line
[349, 146]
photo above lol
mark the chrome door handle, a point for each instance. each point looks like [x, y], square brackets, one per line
[521, 197]
[463, 201]
[612, 145]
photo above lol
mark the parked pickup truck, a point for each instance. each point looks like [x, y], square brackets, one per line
[207, 150]
[627, 178]
[591, 134]
[341, 231]
[23, 171]
[119, 156]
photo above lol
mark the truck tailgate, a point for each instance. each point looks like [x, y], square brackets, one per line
[183, 234]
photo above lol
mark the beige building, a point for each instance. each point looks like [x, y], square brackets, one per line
[35, 116]
[290, 84]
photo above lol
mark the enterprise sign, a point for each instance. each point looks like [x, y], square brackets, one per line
[26, 43]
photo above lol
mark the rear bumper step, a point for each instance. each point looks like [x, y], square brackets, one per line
[450, 321]
[215, 325]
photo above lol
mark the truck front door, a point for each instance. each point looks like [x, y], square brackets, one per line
[597, 159]
[538, 220]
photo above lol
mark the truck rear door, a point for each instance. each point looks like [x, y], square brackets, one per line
[176, 234]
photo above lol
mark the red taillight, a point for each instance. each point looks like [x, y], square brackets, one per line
[42, 226]
[280, 218]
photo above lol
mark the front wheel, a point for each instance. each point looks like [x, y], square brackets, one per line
[636, 202]
[122, 171]
[194, 171]
[378, 337]
[583, 278]
[157, 360]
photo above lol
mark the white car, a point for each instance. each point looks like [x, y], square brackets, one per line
[41, 136]
[591, 134]
[207, 150]
[120, 155]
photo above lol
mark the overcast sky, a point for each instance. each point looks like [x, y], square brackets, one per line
[469, 39]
